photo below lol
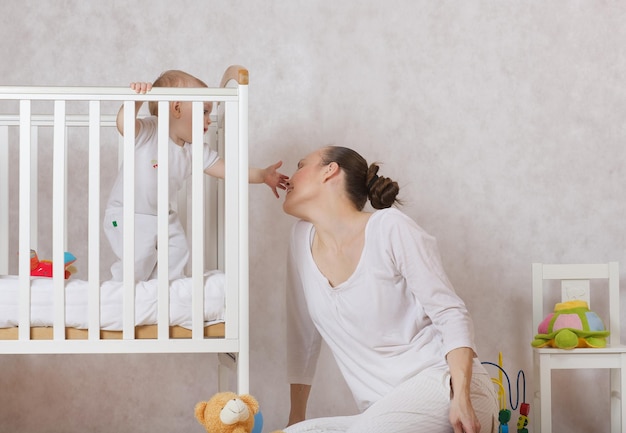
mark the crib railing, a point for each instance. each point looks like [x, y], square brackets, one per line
[233, 245]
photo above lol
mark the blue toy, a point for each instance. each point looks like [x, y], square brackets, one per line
[258, 422]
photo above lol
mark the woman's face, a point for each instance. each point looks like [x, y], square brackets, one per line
[303, 185]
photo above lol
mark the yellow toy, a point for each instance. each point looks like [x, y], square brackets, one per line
[227, 412]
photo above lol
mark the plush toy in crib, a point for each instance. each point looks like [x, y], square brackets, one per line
[571, 325]
[43, 268]
[227, 412]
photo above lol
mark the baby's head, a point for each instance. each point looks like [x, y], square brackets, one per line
[174, 78]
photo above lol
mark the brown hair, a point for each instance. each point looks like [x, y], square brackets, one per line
[362, 181]
[173, 78]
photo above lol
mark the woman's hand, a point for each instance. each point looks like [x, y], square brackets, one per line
[462, 416]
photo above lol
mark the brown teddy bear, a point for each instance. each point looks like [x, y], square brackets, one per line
[227, 412]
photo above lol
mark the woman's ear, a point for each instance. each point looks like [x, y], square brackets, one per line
[331, 170]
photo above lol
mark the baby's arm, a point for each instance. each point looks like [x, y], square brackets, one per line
[269, 175]
[138, 88]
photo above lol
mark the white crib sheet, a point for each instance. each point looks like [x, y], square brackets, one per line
[111, 306]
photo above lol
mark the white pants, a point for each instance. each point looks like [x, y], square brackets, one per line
[146, 253]
[419, 405]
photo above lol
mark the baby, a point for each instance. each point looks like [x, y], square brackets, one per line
[146, 165]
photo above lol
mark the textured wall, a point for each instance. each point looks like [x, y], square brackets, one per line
[502, 121]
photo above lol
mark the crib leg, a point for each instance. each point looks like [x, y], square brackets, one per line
[227, 366]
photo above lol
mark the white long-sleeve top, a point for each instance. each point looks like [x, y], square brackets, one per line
[396, 315]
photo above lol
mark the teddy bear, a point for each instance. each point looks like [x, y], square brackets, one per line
[227, 412]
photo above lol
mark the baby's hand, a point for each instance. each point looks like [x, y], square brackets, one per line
[275, 179]
[140, 87]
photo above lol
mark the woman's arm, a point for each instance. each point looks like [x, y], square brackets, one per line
[462, 415]
[303, 339]
[299, 395]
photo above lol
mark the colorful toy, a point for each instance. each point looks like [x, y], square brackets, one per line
[504, 415]
[43, 268]
[571, 325]
[522, 421]
[227, 412]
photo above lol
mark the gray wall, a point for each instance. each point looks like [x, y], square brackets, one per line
[502, 121]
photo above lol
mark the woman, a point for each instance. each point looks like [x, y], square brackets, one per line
[372, 286]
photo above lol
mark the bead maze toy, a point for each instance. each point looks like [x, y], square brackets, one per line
[504, 416]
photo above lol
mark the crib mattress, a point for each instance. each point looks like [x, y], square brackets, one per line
[111, 304]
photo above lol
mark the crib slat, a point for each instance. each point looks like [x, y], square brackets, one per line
[236, 261]
[94, 221]
[243, 371]
[236, 220]
[197, 220]
[24, 220]
[163, 319]
[121, 94]
[34, 190]
[59, 211]
[4, 200]
[231, 218]
[48, 120]
[129, 221]
[180, 345]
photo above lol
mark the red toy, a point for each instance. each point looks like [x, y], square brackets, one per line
[43, 268]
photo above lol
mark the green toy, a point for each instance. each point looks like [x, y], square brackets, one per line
[571, 325]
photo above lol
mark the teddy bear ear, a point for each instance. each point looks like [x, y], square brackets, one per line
[199, 411]
[251, 402]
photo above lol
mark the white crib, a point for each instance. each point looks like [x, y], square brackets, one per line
[216, 214]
